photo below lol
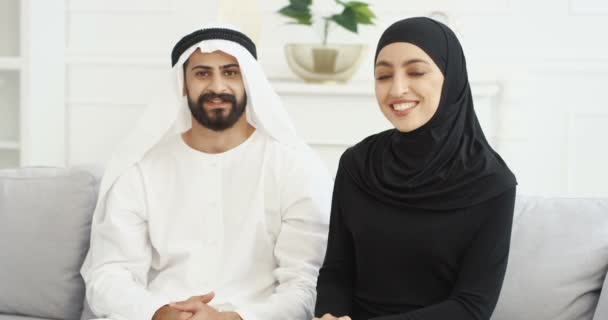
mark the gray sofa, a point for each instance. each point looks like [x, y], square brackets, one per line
[557, 266]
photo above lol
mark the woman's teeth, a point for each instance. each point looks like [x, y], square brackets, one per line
[404, 106]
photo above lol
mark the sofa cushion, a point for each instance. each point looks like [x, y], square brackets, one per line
[45, 217]
[601, 312]
[558, 259]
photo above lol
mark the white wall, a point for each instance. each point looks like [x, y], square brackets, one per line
[42, 105]
[549, 120]
[118, 54]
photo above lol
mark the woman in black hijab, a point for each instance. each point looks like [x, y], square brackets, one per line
[421, 214]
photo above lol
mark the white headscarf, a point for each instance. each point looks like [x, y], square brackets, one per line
[171, 115]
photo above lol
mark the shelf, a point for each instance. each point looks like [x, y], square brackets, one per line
[361, 88]
[9, 159]
[9, 145]
[291, 87]
[10, 63]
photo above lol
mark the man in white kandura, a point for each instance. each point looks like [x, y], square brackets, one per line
[213, 208]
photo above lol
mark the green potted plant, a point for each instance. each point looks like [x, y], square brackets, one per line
[326, 61]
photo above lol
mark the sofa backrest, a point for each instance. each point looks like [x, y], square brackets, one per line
[45, 218]
[558, 259]
[557, 263]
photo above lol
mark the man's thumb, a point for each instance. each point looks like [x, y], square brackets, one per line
[207, 297]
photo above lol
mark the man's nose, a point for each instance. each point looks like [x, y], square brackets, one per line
[218, 85]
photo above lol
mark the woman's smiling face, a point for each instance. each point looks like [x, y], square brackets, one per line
[408, 85]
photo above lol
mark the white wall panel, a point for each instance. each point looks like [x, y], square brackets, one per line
[545, 56]
[589, 7]
[96, 130]
[330, 154]
[117, 83]
[384, 6]
[122, 32]
[118, 5]
[42, 105]
[587, 155]
[335, 118]
[540, 167]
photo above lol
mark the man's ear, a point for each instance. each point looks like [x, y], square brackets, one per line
[185, 70]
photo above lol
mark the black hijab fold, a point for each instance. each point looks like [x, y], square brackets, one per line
[445, 164]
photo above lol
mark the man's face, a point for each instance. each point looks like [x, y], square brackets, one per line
[215, 89]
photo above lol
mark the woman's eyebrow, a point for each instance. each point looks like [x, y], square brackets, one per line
[411, 61]
[383, 63]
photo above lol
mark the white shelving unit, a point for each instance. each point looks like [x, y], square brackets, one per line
[10, 82]
[10, 63]
[32, 77]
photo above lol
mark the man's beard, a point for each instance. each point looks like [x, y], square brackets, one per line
[215, 119]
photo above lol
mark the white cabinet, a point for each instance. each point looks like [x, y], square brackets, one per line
[32, 77]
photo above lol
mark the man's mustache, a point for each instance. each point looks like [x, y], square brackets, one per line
[210, 96]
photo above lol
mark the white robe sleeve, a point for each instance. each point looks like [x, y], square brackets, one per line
[306, 190]
[119, 258]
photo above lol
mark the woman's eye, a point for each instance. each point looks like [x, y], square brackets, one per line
[416, 74]
[383, 77]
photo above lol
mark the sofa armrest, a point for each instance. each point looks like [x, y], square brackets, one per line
[601, 311]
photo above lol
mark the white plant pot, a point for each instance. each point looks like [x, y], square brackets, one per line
[324, 63]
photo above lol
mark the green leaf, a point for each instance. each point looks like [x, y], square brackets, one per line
[364, 14]
[296, 23]
[297, 7]
[300, 4]
[347, 19]
[355, 4]
[364, 11]
[301, 17]
[290, 12]
[364, 19]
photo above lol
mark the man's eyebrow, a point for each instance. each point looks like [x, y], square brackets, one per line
[229, 66]
[201, 67]
[232, 65]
